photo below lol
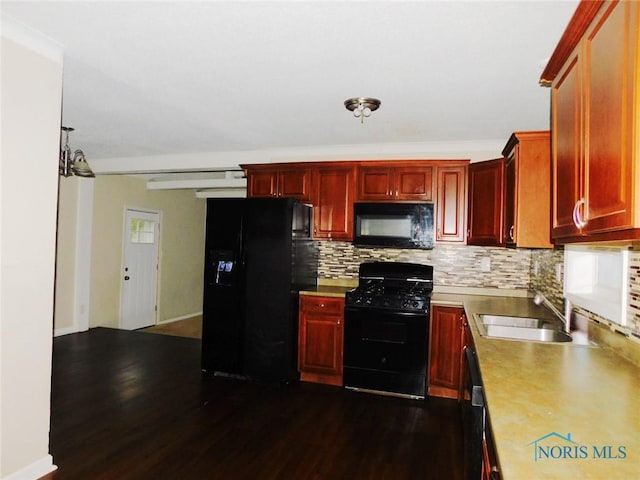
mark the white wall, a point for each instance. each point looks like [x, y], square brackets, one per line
[30, 126]
[73, 255]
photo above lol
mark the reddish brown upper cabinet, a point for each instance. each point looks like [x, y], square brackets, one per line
[320, 339]
[334, 187]
[595, 104]
[486, 203]
[509, 198]
[527, 210]
[451, 202]
[446, 339]
[404, 181]
[265, 181]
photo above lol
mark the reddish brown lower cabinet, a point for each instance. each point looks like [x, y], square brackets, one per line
[445, 351]
[320, 339]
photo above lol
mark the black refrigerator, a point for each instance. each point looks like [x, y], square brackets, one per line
[258, 255]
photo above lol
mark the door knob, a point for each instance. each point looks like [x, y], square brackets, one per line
[126, 277]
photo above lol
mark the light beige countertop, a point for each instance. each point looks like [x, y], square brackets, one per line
[588, 394]
[331, 288]
[326, 291]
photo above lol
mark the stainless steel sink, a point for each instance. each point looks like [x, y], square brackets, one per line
[505, 321]
[520, 328]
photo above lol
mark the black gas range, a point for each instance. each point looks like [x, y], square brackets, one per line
[386, 334]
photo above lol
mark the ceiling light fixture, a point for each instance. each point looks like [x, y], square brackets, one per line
[73, 165]
[362, 106]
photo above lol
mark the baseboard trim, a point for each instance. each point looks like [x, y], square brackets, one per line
[65, 331]
[182, 317]
[34, 471]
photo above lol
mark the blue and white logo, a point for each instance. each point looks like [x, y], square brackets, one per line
[554, 446]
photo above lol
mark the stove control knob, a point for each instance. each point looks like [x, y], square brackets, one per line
[405, 303]
[415, 304]
[368, 300]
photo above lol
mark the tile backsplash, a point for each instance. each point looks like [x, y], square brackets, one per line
[546, 283]
[478, 267]
[454, 265]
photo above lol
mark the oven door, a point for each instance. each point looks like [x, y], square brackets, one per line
[385, 351]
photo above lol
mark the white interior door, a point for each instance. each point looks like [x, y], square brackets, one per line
[140, 269]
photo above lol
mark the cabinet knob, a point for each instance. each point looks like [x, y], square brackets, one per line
[511, 232]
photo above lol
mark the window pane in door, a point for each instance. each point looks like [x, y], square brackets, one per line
[142, 231]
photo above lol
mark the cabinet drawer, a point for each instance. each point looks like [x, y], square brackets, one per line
[329, 305]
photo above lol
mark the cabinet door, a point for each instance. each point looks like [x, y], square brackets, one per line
[509, 232]
[609, 81]
[320, 339]
[262, 184]
[486, 200]
[295, 183]
[413, 183]
[528, 190]
[378, 183]
[375, 183]
[333, 203]
[451, 206]
[566, 141]
[445, 351]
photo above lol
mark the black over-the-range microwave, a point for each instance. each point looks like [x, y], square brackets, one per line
[392, 224]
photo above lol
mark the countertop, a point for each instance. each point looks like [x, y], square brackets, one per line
[579, 404]
[327, 291]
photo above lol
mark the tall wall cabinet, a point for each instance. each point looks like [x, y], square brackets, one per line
[595, 100]
[527, 190]
[486, 203]
[333, 189]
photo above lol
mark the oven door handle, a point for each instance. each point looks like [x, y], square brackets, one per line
[377, 340]
[420, 314]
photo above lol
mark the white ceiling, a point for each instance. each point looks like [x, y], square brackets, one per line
[144, 81]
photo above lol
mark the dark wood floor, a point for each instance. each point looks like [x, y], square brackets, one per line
[129, 405]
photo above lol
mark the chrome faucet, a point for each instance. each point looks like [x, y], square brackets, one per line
[540, 299]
